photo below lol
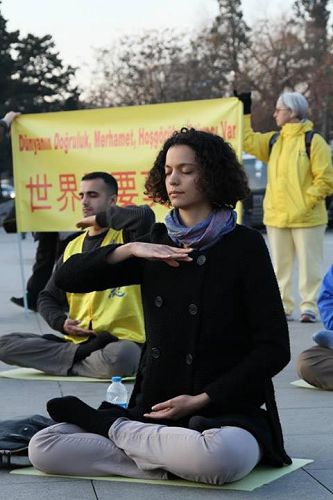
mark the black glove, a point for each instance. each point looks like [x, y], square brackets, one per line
[245, 98]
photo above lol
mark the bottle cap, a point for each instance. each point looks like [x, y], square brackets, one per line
[116, 379]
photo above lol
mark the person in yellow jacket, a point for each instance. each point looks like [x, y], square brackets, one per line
[299, 178]
[103, 330]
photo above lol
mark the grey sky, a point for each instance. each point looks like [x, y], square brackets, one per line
[78, 26]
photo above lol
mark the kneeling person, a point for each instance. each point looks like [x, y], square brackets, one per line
[315, 365]
[104, 329]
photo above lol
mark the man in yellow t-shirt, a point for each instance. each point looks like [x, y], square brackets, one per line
[103, 330]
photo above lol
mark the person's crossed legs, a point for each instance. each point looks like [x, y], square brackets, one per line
[214, 456]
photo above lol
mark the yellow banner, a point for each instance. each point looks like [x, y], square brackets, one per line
[52, 151]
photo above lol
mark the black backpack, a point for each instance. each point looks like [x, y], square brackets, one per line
[15, 435]
[307, 137]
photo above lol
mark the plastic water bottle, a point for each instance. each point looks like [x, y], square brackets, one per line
[116, 393]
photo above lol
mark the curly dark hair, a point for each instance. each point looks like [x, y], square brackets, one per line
[222, 177]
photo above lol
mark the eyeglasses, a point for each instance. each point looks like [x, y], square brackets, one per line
[277, 110]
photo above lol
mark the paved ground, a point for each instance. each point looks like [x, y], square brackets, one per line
[307, 415]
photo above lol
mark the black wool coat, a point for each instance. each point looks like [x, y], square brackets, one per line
[215, 325]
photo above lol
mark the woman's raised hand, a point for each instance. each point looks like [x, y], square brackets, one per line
[170, 255]
[150, 251]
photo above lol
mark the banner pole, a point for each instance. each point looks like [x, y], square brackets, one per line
[24, 294]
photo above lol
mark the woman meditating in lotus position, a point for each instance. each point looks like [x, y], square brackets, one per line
[216, 335]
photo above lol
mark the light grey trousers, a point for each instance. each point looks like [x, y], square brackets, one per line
[56, 358]
[146, 451]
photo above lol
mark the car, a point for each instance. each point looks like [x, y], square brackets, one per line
[7, 191]
[256, 171]
[329, 206]
[7, 197]
[329, 199]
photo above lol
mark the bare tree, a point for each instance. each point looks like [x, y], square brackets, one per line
[148, 68]
[316, 51]
[274, 67]
[287, 54]
[293, 54]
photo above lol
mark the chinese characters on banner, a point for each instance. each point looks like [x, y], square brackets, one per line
[38, 192]
[68, 186]
[52, 151]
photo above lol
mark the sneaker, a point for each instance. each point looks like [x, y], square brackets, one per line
[18, 301]
[308, 317]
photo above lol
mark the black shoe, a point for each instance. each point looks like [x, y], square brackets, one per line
[18, 301]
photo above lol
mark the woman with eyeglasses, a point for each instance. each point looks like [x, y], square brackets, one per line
[299, 177]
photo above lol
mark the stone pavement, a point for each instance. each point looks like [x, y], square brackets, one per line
[307, 415]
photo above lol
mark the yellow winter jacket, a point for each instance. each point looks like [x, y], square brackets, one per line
[296, 185]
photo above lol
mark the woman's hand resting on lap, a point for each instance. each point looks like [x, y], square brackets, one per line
[178, 407]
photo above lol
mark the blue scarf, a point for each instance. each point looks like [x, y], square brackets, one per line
[204, 234]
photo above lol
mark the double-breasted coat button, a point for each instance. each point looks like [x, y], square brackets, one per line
[201, 260]
[193, 309]
[158, 301]
[155, 352]
[189, 359]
